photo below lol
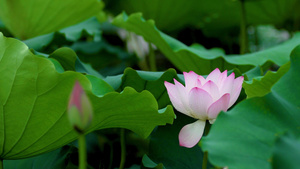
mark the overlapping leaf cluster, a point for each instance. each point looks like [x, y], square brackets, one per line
[42, 54]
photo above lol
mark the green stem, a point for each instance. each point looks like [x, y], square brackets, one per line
[204, 163]
[152, 59]
[143, 65]
[123, 149]
[82, 152]
[205, 155]
[243, 29]
[111, 155]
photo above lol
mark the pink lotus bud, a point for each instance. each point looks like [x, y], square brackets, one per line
[203, 99]
[80, 110]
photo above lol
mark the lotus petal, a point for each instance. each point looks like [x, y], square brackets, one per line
[190, 134]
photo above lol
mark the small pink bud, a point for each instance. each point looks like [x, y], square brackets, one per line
[80, 110]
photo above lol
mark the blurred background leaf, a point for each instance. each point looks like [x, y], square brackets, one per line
[214, 17]
[90, 28]
[33, 18]
[196, 57]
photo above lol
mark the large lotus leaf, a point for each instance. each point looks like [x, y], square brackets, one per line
[214, 16]
[261, 85]
[33, 103]
[244, 136]
[286, 152]
[31, 18]
[197, 58]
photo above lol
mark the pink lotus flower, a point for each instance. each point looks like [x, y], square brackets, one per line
[203, 99]
[80, 110]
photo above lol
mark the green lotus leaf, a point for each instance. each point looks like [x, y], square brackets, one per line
[66, 57]
[106, 58]
[214, 17]
[247, 133]
[34, 98]
[166, 18]
[142, 80]
[199, 59]
[28, 19]
[147, 163]
[286, 152]
[164, 146]
[99, 86]
[58, 159]
[139, 82]
[57, 65]
[86, 68]
[261, 85]
[89, 27]
[225, 17]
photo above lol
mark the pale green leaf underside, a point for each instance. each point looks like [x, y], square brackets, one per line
[33, 102]
[31, 18]
[198, 59]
